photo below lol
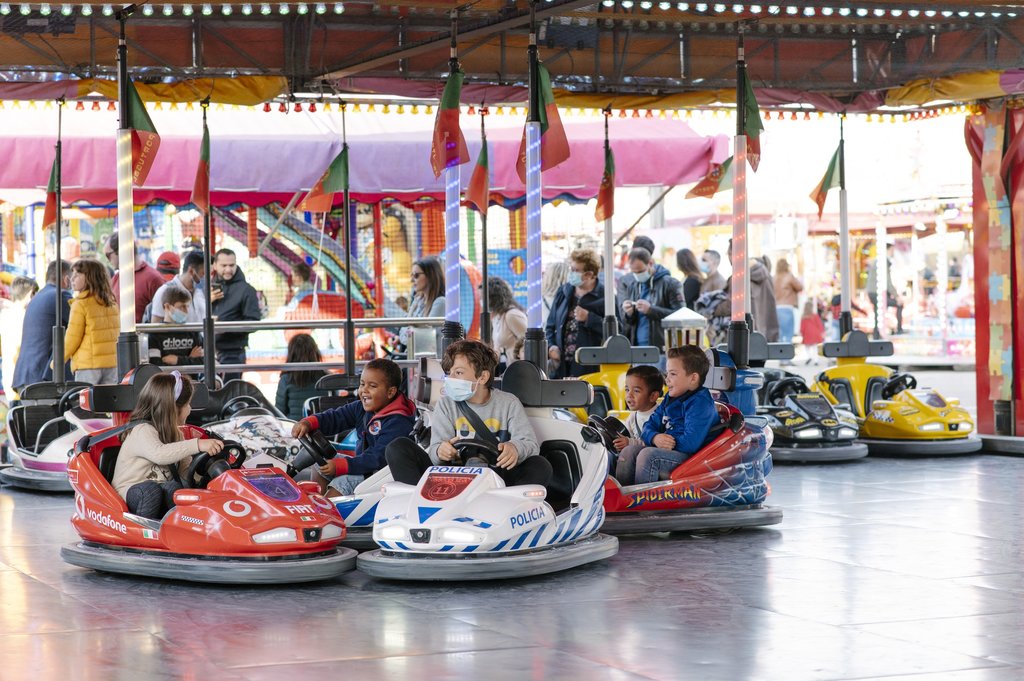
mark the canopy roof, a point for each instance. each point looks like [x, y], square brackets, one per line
[258, 157]
[629, 53]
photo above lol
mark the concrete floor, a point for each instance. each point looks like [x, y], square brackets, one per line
[881, 569]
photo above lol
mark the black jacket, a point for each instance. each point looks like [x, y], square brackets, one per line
[238, 304]
[179, 344]
[590, 334]
[666, 296]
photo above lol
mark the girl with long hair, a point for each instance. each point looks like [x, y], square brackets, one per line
[508, 320]
[692, 276]
[295, 387]
[154, 456]
[91, 339]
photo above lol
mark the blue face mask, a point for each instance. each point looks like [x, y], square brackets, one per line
[459, 389]
[642, 277]
[575, 278]
[178, 317]
[704, 267]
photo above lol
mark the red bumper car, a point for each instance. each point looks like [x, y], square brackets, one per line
[231, 525]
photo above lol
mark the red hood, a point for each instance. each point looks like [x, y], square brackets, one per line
[401, 405]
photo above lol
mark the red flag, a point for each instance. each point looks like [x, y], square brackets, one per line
[828, 181]
[554, 145]
[606, 195]
[719, 177]
[145, 138]
[449, 147]
[478, 192]
[50, 210]
[201, 188]
[320, 198]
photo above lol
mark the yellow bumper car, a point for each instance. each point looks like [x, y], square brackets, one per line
[895, 415]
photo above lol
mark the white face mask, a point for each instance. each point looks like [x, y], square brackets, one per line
[459, 389]
[642, 277]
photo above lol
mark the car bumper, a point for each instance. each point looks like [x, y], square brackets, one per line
[214, 570]
[692, 520]
[44, 481]
[915, 448]
[819, 453]
[470, 567]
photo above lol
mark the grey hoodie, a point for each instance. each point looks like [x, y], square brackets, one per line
[503, 413]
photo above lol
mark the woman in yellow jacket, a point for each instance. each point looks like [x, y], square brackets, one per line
[91, 339]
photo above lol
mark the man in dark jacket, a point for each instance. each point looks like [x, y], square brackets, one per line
[653, 295]
[36, 353]
[627, 279]
[233, 299]
[576, 319]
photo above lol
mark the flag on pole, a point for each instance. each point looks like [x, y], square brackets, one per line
[752, 126]
[321, 197]
[201, 188]
[830, 180]
[554, 146]
[449, 147]
[719, 177]
[478, 192]
[145, 138]
[50, 210]
[606, 195]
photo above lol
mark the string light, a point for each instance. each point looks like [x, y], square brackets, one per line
[147, 10]
[86, 10]
[187, 10]
[339, 8]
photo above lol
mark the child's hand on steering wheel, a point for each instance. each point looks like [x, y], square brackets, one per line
[620, 443]
[328, 470]
[446, 451]
[211, 446]
[508, 457]
[301, 428]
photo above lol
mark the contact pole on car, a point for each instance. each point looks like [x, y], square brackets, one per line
[201, 198]
[603, 213]
[54, 190]
[739, 332]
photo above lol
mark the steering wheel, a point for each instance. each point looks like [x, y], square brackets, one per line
[791, 385]
[236, 404]
[318, 447]
[209, 466]
[69, 400]
[608, 428]
[897, 384]
[477, 448]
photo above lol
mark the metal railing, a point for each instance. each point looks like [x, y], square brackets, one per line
[249, 327]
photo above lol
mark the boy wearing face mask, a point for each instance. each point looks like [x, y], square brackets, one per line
[653, 295]
[470, 366]
[175, 348]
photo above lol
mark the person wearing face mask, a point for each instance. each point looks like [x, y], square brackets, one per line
[193, 269]
[471, 402]
[175, 348]
[576, 319]
[653, 295]
[713, 279]
[692, 276]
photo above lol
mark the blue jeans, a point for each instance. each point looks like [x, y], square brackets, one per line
[787, 323]
[651, 462]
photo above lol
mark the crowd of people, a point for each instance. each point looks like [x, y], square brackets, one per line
[171, 293]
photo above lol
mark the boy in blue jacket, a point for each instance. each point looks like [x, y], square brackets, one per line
[381, 415]
[679, 425]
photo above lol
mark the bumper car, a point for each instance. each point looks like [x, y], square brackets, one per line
[722, 486]
[806, 426]
[233, 526]
[42, 430]
[462, 523]
[895, 416]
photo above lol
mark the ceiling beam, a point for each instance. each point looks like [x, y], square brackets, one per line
[441, 40]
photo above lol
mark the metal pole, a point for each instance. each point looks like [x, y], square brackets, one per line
[58, 323]
[535, 344]
[452, 201]
[611, 323]
[128, 340]
[346, 220]
[845, 317]
[485, 305]
[738, 329]
[209, 332]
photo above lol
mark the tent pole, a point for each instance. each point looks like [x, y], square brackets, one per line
[58, 324]
[739, 332]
